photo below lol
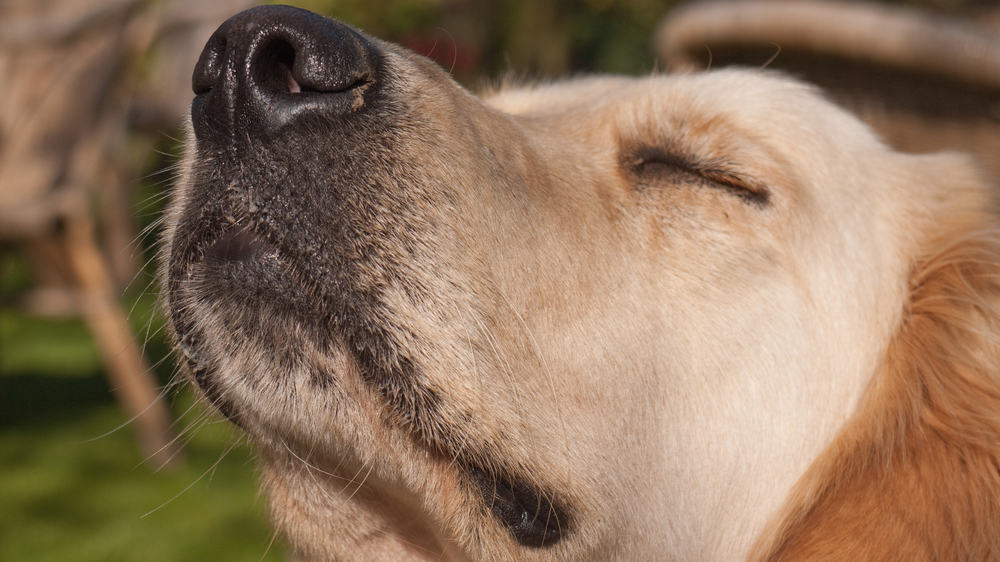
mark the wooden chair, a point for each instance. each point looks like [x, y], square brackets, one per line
[62, 116]
[72, 101]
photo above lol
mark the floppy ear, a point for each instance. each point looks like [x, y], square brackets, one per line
[915, 473]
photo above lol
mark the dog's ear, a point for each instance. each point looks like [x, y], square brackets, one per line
[915, 473]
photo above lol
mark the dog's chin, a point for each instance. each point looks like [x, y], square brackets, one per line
[239, 244]
[244, 319]
[247, 280]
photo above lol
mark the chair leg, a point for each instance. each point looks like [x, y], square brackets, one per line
[124, 254]
[130, 376]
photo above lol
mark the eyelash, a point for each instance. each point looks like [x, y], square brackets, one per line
[663, 164]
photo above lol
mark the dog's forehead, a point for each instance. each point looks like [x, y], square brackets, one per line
[759, 104]
[765, 126]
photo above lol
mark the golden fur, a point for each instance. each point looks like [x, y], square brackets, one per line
[915, 472]
[707, 317]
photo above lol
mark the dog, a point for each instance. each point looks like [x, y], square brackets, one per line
[701, 316]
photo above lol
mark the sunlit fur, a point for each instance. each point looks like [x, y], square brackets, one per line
[696, 376]
[915, 473]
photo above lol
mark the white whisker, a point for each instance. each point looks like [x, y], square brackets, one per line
[191, 485]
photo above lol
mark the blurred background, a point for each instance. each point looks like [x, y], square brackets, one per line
[105, 453]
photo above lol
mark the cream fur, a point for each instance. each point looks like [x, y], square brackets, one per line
[668, 358]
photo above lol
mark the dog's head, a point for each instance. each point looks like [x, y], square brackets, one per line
[609, 317]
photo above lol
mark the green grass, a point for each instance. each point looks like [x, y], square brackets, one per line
[70, 492]
[66, 496]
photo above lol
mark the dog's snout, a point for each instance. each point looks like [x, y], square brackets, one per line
[268, 65]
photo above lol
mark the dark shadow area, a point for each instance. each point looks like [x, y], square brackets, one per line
[33, 399]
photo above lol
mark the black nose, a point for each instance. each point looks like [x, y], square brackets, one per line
[267, 66]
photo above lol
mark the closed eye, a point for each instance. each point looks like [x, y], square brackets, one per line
[655, 166]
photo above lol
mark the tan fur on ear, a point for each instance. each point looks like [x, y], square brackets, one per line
[915, 474]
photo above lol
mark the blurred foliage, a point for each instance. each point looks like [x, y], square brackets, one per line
[478, 39]
[483, 40]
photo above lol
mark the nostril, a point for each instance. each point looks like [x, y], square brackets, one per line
[274, 66]
[277, 68]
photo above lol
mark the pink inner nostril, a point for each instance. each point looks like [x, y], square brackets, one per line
[293, 86]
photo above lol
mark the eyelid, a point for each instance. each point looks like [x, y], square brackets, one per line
[747, 189]
[713, 172]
